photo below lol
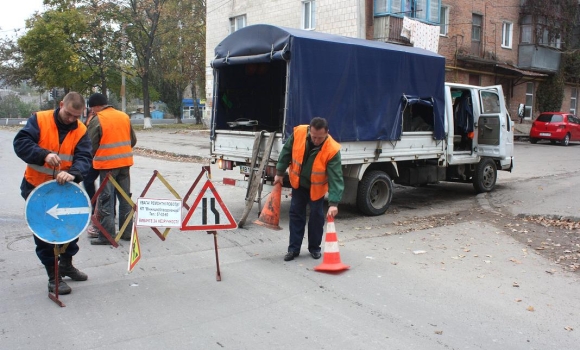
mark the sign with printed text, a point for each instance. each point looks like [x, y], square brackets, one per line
[208, 212]
[159, 212]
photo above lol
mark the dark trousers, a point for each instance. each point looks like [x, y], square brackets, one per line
[89, 183]
[45, 251]
[106, 201]
[301, 199]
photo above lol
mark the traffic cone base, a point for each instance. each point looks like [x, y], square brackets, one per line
[270, 215]
[331, 259]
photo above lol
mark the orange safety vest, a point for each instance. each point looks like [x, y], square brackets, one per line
[318, 177]
[115, 147]
[38, 174]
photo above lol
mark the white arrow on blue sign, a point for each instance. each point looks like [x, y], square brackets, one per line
[56, 213]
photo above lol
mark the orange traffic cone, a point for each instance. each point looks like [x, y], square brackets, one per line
[331, 259]
[270, 215]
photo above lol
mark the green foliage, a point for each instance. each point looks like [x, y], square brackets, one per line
[555, 17]
[11, 106]
[570, 66]
[550, 94]
[49, 57]
[86, 45]
[179, 61]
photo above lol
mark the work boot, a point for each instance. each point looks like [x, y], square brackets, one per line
[66, 268]
[63, 288]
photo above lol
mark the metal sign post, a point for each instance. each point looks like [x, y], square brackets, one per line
[57, 214]
[208, 213]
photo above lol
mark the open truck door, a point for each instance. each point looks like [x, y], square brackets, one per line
[494, 129]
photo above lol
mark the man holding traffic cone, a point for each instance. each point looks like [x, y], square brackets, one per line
[314, 162]
[331, 261]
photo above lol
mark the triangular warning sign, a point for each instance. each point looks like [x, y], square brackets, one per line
[208, 216]
[134, 250]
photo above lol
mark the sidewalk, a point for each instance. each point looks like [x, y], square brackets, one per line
[191, 143]
[522, 130]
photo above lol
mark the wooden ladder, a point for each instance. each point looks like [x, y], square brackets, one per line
[256, 177]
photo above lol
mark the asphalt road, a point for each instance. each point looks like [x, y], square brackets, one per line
[440, 270]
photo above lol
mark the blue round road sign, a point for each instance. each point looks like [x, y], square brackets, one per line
[56, 213]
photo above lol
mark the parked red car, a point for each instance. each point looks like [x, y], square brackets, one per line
[555, 126]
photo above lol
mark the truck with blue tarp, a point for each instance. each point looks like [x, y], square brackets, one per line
[387, 105]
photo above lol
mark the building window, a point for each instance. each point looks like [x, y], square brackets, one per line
[476, 21]
[381, 6]
[506, 35]
[545, 36]
[237, 23]
[526, 27]
[573, 100]
[425, 10]
[308, 14]
[444, 20]
[529, 101]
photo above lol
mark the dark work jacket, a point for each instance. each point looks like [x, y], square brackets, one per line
[26, 148]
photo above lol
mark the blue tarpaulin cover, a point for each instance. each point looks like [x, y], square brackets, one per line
[357, 85]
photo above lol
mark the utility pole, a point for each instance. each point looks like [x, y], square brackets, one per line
[123, 98]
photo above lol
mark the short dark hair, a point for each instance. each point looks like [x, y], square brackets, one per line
[74, 99]
[319, 123]
[97, 99]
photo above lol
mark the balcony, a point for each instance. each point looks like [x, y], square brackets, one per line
[538, 58]
[388, 29]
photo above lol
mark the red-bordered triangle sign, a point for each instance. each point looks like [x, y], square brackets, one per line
[211, 215]
[134, 250]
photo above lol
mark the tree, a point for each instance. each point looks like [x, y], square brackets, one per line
[144, 17]
[11, 106]
[180, 59]
[49, 57]
[553, 19]
[196, 55]
[11, 62]
[550, 94]
[101, 45]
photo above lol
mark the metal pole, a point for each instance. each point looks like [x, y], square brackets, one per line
[123, 99]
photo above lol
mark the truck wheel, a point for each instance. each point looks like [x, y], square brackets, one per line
[375, 192]
[485, 176]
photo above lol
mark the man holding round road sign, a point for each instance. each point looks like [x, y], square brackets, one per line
[55, 146]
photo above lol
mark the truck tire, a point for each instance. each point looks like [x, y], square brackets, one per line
[375, 192]
[485, 176]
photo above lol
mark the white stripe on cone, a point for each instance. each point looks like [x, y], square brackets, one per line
[330, 226]
[331, 247]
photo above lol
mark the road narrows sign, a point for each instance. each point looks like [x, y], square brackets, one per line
[211, 215]
[57, 214]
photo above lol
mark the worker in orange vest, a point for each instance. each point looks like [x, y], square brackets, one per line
[314, 162]
[55, 145]
[113, 139]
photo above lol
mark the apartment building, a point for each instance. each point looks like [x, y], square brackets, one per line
[484, 42]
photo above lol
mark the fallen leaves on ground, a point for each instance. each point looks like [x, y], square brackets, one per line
[145, 152]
